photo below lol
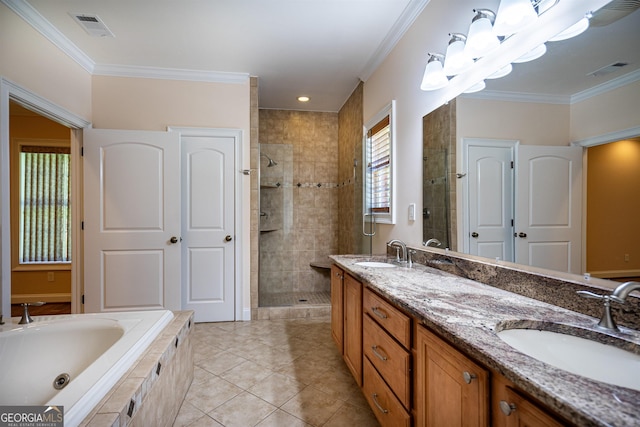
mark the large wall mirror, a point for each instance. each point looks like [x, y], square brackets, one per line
[584, 92]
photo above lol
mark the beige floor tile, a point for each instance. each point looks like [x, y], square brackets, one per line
[220, 363]
[350, 416]
[212, 393]
[280, 418]
[337, 385]
[242, 411]
[312, 406]
[246, 374]
[277, 389]
[205, 421]
[187, 415]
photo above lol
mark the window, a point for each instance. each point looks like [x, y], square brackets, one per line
[45, 211]
[378, 197]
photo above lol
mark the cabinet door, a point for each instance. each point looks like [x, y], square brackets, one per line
[451, 390]
[353, 326]
[337, 320]
[512, 409]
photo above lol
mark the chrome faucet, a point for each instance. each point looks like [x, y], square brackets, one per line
[619, 295]
[429, 242]
[26, 318]
[399, 244]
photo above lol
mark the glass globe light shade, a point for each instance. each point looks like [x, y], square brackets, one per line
[513, 15]
[434, 77]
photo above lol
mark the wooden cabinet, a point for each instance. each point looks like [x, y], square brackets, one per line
[352, 332]
[451, 389]
[511, 408]
[385, 405]
[337, 309]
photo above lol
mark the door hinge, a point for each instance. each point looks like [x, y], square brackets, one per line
[511, 164]
[81, 151]
[82, 225]
[512, 223]
[82, 299]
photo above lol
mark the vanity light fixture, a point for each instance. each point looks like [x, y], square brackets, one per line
[501, 72]
[481, 39]
[303, 98]
[532, 54]
[513, 15]
[434, 76]
[574, 30]
[456, 59]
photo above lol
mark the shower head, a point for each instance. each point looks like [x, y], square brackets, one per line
[271, 162]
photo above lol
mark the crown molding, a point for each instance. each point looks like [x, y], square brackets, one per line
[170, 74]
[606, 138]
[606, 86]
[51, 33]
[399, 28]
[496, 95]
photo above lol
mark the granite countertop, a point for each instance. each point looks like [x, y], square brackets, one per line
[468, 314]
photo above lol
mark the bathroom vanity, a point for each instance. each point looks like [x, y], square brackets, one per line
[424, 344]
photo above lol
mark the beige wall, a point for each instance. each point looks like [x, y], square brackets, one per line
[528, 122]
[31, 61]
[612, 111]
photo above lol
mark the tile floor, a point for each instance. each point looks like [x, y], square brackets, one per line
[271, 373]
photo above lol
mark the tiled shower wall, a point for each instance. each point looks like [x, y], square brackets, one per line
[305, 146]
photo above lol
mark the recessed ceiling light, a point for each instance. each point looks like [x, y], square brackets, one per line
[303, 98]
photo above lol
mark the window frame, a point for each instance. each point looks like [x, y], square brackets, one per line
[16, 174]
[380, 217]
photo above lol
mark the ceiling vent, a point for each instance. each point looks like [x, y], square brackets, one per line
[613, 11]
[92, 24]
[608, 69]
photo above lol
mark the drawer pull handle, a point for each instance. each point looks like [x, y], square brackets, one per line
[468, 377]
[381, 314]
[507, 408]
[375, 400]
[374, 348]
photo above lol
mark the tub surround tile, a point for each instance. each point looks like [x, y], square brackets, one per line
[146, 395]
[467, 312]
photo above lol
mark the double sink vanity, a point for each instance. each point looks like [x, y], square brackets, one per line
[458, 340]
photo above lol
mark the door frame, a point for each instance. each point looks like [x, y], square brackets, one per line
[463, 235]
[237, 135]
[46, 108]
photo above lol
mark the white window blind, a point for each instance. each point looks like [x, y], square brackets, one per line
[379, 167]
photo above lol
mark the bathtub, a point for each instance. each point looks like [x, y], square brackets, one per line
[94, 350]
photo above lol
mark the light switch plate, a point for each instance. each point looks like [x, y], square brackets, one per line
[412, 211]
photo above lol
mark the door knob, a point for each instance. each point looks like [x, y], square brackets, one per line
[522, 234]
[474, 234]
[228, 238]
[174, 239]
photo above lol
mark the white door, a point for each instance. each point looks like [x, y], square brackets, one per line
[131, 220]
[490, 192]
[208, 212]
[548, 207]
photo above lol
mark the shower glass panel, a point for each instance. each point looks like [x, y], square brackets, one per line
[276, 270]
[435, 217]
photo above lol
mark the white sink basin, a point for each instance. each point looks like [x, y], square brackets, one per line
[375, 264]
[581, 356]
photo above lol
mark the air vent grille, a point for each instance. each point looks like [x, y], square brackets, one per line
[608, 69]
[613, 11]
[92, 24]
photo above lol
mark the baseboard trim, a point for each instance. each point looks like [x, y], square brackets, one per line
[20, 298]
[612, 274]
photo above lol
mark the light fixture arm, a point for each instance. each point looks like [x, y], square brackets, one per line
[484, 13]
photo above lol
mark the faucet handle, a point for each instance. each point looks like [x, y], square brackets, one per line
[588, 294]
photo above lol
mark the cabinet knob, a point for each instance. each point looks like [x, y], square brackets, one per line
[507, 408]
[468, 377]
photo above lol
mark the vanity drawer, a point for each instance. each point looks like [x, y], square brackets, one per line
[390, 318]
[384, 404]
[389, 358]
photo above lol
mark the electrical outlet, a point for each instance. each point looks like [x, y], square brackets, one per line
[50, 276]
[626, 257]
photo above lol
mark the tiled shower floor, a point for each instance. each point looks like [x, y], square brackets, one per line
[286, 299]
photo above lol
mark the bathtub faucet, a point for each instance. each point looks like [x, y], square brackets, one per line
[26, 318]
